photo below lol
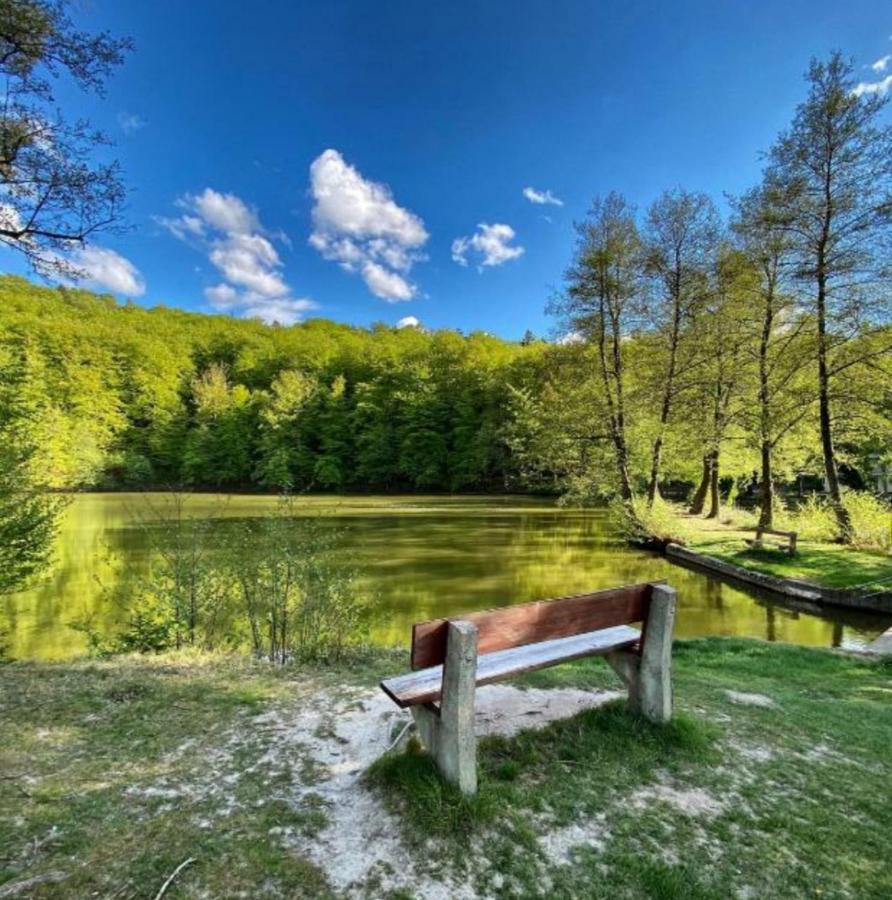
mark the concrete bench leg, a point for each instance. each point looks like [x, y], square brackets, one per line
[448, 732]
[648, 675]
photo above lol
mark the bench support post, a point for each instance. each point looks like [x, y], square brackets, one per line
[655, 679]
[647, 674]
[448, 732]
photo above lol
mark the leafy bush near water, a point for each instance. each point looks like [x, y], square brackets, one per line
[813, 520]
[273, 583]
[871, 519]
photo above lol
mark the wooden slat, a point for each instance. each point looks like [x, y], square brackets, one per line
[527, 623]
[424, 686]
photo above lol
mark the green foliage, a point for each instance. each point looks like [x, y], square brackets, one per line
[298, 599]
[812, 520]
[28, 521]
[871, 521]
[120, 396]
[274, 584]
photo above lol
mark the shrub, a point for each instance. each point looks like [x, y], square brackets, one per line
[871, 521]
[662, 521]
[299, 600]
[812, 520]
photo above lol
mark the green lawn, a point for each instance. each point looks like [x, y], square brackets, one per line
[828, 564]
[831, 565]
[113, 773]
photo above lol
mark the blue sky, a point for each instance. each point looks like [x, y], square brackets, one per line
[366, 161]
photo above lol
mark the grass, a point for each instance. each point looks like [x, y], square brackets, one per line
[86, 744]
[729, 800]
[113, 773]
[822, 562]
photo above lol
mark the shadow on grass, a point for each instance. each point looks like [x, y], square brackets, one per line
[608, 749]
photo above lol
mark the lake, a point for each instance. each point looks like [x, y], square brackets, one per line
[420, 556]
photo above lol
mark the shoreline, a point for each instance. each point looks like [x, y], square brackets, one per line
[791, 588]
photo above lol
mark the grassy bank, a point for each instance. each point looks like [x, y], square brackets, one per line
[772, 781]
[818, 559]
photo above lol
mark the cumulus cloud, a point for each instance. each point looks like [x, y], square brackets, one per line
[571, 337]
[541, 197]
[882, 63]
[130, 122]
[386, 284]
[358, 224]
[874, 87]
[408, 322]
[229, 231]
[490, 243]
[102, 268]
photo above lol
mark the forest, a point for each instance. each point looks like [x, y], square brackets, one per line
[706, 351]
[115, 396]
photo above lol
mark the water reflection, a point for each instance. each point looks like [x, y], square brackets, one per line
[420, 557]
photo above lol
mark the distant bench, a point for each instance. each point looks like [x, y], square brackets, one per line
[788, 545]
[451, 658]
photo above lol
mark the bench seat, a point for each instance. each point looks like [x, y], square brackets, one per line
[425, 685]
[450, 658]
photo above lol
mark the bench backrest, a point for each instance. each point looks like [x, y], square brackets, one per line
[530, 623]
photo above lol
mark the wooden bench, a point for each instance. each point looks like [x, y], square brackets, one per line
[451, 658]
[788, 546]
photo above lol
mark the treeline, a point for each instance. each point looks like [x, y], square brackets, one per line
[116, 396]
[764, 335]
[703, 353]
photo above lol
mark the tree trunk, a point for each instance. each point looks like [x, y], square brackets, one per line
[699, 499]
[714, 499]
[766, 488]
[653, 489]
[830, 470]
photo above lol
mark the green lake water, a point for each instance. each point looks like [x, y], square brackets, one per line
[420, 557]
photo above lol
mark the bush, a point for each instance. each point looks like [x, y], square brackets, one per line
[812, 520]
[662, 521]
[871, 521]
[299, 600]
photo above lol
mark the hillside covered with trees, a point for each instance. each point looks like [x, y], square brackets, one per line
[116, 396]
[120, 396]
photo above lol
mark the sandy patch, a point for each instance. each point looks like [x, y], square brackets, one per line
[559, 844]
[690, 801]
[754, 752]
[361, 842]
[745, 699]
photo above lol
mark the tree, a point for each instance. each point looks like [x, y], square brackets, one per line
[829, 182]
[29, 520]
[603, 303]
[780, 352]
[220, 448]
[681, 238]
[54, 195]
[281, 429]
[725, 335]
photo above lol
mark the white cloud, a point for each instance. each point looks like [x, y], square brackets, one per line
[130, 122]
[541, 197]
[229, 231]
[223, 211]
[222, 296]
[250, 261]
[882, 63]
[491, 242]
[358, 224]
[408, 322]
[105, 269]
[385, 284]
[283, 310]
[571, 337]
[874, 87]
